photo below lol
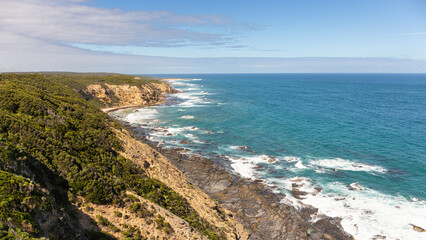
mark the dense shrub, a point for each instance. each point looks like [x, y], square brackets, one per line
[51, 134]
[162, 224]
[55, 126]
[19, 200]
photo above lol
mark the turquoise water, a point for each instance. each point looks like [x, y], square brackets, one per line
[360, 137]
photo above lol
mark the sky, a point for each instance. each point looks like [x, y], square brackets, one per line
[220, 36]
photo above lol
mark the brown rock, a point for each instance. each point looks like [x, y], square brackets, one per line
[298, 194]
[417, 228]
[379, 237]
[271, 159]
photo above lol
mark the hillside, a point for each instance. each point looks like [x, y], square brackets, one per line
[69, 171]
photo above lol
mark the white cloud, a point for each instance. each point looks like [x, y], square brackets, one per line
[68, 21]
[36, 55]
[35, 35]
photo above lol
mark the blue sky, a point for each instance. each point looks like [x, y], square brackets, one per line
[390, 33]
[377, 28]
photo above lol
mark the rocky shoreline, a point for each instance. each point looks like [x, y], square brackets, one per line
[253, 203]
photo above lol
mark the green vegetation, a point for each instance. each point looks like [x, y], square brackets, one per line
[96, 235]
[118, 214]
[53, 125]
[19, 200]
[141, 210]
[162, 224]
[164, 196]
[105, 222]
[15, 234]
[51, 138]
[79, 82]
[133, 233]
[131, 198]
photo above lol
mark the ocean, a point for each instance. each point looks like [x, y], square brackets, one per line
[355, 143]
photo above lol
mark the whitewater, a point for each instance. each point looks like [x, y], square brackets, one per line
[354, 144]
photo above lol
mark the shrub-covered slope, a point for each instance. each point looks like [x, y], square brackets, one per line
[56, 147]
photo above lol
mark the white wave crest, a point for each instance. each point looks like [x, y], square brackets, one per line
[246, 166]
[300, 165]
[187, 117]
[367, 213]
[140, 116]
[347, 165]
[239, 147]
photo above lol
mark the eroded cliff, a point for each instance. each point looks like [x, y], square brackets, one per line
[69, 171]
[113, 96]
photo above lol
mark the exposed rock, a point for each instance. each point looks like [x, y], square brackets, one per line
[181, 228]
[254, 204]
[250, 210]
[164, 171]
[298, 194]
[124, 95]
[417, 228]
[379, 237]
[339, 199]
[270, 159]
[99, 92]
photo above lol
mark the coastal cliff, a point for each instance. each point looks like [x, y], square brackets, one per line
[69, 171]
[124, 95]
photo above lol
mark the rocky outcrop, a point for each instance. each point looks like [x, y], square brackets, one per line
[242, 208]
[253, 203]
[245, 209]
[120, 221]
[159, 167]
[417, 228]
[125, 221]
[110, 96]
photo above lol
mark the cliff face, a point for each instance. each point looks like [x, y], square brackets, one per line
[112, 96]
[247, 210]
[68, 171]
[159, 167]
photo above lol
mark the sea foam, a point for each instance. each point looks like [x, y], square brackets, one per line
[187, 117]
[367, 213]
[347, 165]
[141, 116]
[246, 166]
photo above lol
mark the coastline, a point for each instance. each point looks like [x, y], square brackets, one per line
[252, 202]
[113, 109]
